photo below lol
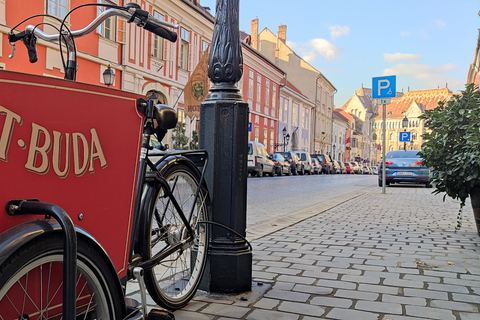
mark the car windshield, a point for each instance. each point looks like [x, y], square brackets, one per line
[250, 149]
[302, 156]
[403, 154]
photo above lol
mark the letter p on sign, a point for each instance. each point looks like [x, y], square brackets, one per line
[384, 87]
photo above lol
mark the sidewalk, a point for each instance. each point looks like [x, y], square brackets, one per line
[365, 256]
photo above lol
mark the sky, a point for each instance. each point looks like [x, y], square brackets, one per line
[426, 43]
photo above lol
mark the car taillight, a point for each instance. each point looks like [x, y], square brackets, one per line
[419, 163]
[275, 162]
[290, 160]
[325, 163]
[388, 162]
[255, 159]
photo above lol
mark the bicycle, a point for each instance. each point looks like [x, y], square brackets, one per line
[168, 242]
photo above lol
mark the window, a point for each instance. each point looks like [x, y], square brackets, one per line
[280, 111]
[295, 114]
[265, 137]
[305, 118]
[267, 95]
[157, 42]
[107, 28]
[184, 43]
[181, 115]
[392, 136]
[58, 8]
[272, 137]
[205, 45]
[256, 134]
[250, 84]
[259, 88]
[274, 99]
[285, 110]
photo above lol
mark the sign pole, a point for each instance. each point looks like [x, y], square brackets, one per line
[384, 118]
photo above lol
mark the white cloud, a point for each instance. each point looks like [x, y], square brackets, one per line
[291, 44]
[405, 33]
[337, 31]
[418, 70]
[324, 47]
[409, 57]
[440, 24]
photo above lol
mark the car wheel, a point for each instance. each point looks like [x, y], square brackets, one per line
[302, 172]
[260, 172]
[428, 185]
[379, 182]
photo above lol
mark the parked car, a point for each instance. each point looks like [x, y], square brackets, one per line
[336, 167]
[349, 167]
[366, 170]
[306, 160]
[404, 166]
[326, 162]
[259, 162]
[317, 168]
[295, 164]
[282, 166]
[356, 167]
[343, 169]
[374, 169]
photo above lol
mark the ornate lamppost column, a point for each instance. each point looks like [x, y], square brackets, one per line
[224, 134]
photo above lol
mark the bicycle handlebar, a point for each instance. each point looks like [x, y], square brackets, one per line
[131, 12]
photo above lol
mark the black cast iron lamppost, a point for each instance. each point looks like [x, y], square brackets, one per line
[334, 151]
[404, 126]
[108, 77]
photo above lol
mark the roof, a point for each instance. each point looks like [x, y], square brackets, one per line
[341, 115]
[424, 99]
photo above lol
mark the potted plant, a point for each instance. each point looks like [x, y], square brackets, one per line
[452, 148]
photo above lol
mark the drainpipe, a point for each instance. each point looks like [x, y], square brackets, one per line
[315, 113]
[331, 132]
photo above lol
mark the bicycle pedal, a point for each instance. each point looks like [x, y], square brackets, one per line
[156, 314]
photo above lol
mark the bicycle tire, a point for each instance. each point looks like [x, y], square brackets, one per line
[173, 282]
[31, 283]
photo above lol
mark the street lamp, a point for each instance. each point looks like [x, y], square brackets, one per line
[285, 145]
[404, 126]
[334, 151]
[108, 76]
[284, 132]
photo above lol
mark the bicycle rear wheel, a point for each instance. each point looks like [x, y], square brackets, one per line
[174, 281]
[31, 283]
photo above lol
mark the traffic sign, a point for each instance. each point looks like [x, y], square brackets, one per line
[384, 101]
[404, 136]
[249, 127]
[384, 87]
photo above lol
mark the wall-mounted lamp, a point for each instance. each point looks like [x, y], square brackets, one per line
[108, 77]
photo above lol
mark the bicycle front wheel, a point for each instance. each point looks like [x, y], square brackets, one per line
[31, 283]
[174, 281]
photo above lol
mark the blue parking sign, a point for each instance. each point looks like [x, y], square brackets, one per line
[384, 87]
[404, 136]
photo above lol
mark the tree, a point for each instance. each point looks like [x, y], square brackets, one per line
[180, 140]
[194, 141]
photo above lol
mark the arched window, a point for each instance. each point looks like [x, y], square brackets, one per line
[392, 136]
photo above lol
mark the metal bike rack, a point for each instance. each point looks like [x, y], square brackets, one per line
[34, 206]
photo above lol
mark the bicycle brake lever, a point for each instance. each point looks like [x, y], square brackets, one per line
[10, 56]
[30, 41]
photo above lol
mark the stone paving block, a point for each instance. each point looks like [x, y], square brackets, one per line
[397, 317]
[430, 313]
[218, 309]
[462, 282]
[476, 290]
[368, 268]
[377, 288]
[468, 316]
[280, 264]
[259, 314]
[361, 279]
[379, 306]
[439, 274]
[356, 295]
[279, 285]
[189, 315]
[405, 300]
[300, 261]
[466, 298]
[292, 272]
[447, 287]
[266, 303]
[382, 274]
[412, 277]
[301, 308]
[403, 283]
[321, 274]
[287, 295]
[316, 290]
[331, 302]
[453, 305]
[336, 284]
[429, 294]
[296, 279]
[349, 314]
[263, 275]
[345, 271]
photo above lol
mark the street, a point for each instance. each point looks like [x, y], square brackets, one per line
[271, 197]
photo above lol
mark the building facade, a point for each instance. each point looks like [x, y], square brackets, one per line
[311, 83]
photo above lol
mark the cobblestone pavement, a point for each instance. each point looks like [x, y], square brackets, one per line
[361, 256]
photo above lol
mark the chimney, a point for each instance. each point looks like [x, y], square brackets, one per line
[254, 33]
[282, 33]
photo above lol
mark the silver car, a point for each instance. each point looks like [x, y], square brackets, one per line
[404, 166]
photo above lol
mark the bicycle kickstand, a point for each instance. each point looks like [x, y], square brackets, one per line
[154, 314]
